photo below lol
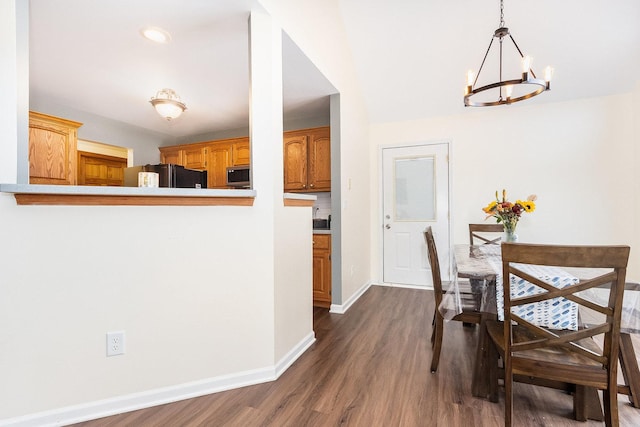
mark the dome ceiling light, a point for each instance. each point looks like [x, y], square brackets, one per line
[168, 104]
[526, 87]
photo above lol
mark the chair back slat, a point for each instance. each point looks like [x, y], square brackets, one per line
[484, 234]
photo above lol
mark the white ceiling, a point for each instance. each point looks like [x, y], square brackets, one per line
[411, 56]
[89, 55]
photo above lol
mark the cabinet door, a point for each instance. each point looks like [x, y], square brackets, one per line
[218, 159]
[52, 150]
[321, 270]
[98, 169]
[320, 161]
[171, 155]
[241, 155]
[295, 163]
[194, 157]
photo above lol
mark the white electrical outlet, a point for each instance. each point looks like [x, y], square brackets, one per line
[115, 343]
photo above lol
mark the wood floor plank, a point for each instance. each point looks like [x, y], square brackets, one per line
[371, 367]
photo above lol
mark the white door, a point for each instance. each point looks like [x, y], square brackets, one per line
[416, 195]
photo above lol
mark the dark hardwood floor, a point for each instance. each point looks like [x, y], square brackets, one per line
[370, 367]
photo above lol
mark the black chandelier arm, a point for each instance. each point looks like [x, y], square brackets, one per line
[521, 54]
[483, 60]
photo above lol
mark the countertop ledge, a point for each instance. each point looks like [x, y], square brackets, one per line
[27, 194]
[299, 200]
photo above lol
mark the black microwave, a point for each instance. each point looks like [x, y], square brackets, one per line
[239, 176]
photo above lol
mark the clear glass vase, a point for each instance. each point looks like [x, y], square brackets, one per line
[509, 235]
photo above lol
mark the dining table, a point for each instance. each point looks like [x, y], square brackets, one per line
[478, 269]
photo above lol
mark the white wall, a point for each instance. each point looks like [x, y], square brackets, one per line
[579, 157]
[198, 290]
[143, 142]
[317, 29]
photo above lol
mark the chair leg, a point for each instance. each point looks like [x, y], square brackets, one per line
[629, 367]
[433, 329]
[492, 363]
[610, 400]
[508, 393]
[436, 337]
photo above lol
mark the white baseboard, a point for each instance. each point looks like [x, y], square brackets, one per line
[401, 285]
[294, 354]
[160, 396]
[342, 308]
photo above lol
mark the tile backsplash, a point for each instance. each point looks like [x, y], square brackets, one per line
[322, 206]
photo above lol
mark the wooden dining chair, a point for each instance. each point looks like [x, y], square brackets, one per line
[549, 356]
[483, 234]
[470, 302]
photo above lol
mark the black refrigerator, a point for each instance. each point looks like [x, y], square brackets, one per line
[176, 176]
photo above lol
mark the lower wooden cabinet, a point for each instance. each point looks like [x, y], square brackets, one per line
[98, 169]
[322, 270]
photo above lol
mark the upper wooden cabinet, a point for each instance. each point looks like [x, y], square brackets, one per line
[52, 149]
[213, 156]
[194, 157]
[307, 160]
[171, 155]
[240, 154]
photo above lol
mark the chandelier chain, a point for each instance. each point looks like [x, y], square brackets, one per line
[501, 13]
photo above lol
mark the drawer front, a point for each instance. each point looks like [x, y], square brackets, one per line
[321, 241]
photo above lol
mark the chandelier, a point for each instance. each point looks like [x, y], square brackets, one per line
[168, 104]
[505, 91]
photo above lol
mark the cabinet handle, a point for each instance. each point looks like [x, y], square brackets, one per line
[311, 185]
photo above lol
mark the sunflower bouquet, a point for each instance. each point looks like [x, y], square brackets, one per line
[509, 213]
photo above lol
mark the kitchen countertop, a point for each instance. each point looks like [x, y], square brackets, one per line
[321, 231]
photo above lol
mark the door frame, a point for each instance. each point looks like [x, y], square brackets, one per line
[379, 222]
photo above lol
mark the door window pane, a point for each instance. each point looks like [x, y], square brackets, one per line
[415, 189]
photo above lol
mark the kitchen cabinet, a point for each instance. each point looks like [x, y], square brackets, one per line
[213, 156]
[171, 155]
[189, 156]
[98, 169]
[307, 160]
[218, 159]
[240, 154]
[53, 143]
[195, 157]
[322, 270]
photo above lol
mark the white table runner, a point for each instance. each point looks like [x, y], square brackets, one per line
[556, 313]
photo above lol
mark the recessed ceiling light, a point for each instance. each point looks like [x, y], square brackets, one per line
[156, 34]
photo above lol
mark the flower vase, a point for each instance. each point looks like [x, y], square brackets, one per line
[509, 235]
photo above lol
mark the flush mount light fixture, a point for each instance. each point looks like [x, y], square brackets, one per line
[168, 104]
[491, 94]
[156, 34]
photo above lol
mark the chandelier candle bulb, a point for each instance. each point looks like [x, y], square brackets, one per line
[470, 77]
[526, 63]
[548, 73]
